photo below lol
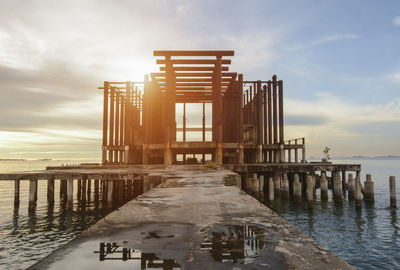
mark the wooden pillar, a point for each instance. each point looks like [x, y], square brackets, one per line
[351, 186]
[337, 188]
[241, 107]
[16, 191]
[105, 123]
[344, 183]
[269, 119]
[170, 95]
[285, 186]
[271, 192]
[89, 188]
[184, 122]
[281, 127]
[296, 154]
[204, 122]
[277, 184]
[96, 189]
[111, 129]
[217, 98]
[117, 112]
[275, 108]
[50, 190]
[32, 193]
[303, 152]
[357, 195]
[122, 128]
[79, 192]
[128, 123]
[83, 194]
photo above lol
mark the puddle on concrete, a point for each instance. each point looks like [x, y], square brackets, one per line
[235, 244]
[113, 255]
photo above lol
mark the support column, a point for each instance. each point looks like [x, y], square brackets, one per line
[303, 152]
[351, 186]
[111, 129]
[369, 189]
[271, 192]
[217, 98]
[392, 185]
[285, 186]
[310, 191]
[50, 190]
[277, 184]
[32, 193]
[70, 193]
[105, 123]
[297, 188]
[357, 195]
[16, 191]
[269, 119]
[324, 186]
[337, 188]
[110, 184]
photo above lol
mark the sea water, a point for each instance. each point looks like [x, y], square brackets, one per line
[368, 238]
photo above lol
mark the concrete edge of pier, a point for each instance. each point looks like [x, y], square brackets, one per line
[192, 204]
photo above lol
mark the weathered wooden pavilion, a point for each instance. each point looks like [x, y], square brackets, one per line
[139, 120]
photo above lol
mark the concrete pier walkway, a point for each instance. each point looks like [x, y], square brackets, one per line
[196, 218]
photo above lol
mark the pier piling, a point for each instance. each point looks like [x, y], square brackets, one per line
[50, 190]
[277, 184]
[70, 193]
[337, 188]
[324, 186]
[109, 193]
[32, 193]
[297, 188]
[392, 185]
[369, 189]
[271, 191]
[357, 192]
[351, 186]
[16, 192]
[310, 191]
[285, 186]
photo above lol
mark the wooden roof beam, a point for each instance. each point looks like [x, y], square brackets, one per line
[195, 68]
[193, 61]
[195, 74]
[193, 53]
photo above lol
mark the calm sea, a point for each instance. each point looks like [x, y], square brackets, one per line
[368, 238]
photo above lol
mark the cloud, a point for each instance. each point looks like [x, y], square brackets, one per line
[324, 40]
[396, 21]
[394, 77]
[305, 120]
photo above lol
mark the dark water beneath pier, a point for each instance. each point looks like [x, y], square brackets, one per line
[368, 238]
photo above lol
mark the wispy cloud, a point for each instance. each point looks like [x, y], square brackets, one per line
[396, 21]
[394, 77]
[323, 40]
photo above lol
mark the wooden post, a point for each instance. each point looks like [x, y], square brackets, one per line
[310, 191]
[275, 108]
[297, 188]
[392, 186]
[218, 100]
[369, 189]
[96, 189]
[79, 192]
[50, 190]
[296, 153]
[89, 188]
[281, 129]
[285, 186]
[128, 124]
[344, 184]
[324, 186]
[204, 122]
[70, 193]
[105, 123]
[269, 120]
[351, 186]
[184, 121]
[16, 191]
[303, 152]
[111, 129]
[83, 194]
[32, 193]
[117, 112]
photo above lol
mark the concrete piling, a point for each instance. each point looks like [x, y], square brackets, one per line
[337, 188]
[32, 193]
[351, 186]
[285, 186]
[310, 191]
[271, 191]
[261, 188]
[110, 193]
[392, 186]
[50, 190]
[70, 193]
[254, 184]
[357, 192]
[277, 184]
[16, 192]
[369, 189]
[324, 186]
[297, 188]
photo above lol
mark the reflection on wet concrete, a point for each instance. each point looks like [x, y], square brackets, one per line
[117, 251]
[240, 243]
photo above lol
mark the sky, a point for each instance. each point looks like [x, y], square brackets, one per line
[339, 60]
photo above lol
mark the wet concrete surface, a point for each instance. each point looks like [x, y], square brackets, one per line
[196, 218]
